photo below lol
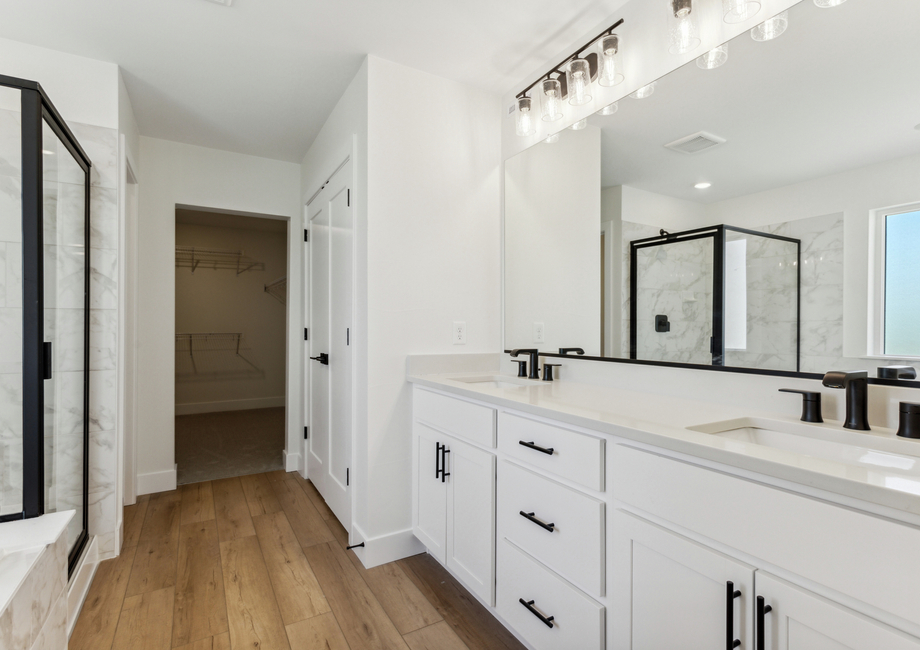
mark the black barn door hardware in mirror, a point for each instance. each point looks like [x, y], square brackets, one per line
[530, 516]
[530, 445]
[730, 595]
[547, 621]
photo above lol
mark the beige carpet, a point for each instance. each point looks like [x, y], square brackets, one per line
[233, 443]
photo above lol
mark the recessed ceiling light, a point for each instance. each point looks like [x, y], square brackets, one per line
[703, 186]
[226, 3]
[47, 153]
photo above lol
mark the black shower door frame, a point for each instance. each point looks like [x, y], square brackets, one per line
[37, 110]
[717, 234]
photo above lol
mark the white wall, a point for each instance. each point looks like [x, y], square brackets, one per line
[552, 263]
[433, 255]
[220, 300]
[83, 90]
[427, 208]
[184, 175]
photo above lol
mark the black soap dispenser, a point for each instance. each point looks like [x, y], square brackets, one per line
[909, 423]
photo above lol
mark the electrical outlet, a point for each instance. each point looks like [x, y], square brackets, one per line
[538, 333]
[459, 335]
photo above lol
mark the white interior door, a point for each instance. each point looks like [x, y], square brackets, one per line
[329, 443]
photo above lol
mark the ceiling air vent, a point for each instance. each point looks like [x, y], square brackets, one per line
[696, 143]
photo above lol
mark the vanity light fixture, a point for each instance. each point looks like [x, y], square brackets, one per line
[572, 79]
[644, 91]
[610, 109]
[737, 11]
[552, 139]
[827, 4]
[772, 28]
[714, 58]
[552, 100]
[610, 74]
[579, 125]
[578, 80]
[683, 33]
[703, 186]
[525, 125]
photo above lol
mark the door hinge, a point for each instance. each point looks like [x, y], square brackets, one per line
[349, 197]
[306, 433]
[306, 334]
[306, 235]
[347, 477]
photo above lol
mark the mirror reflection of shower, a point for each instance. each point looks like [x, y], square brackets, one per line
[720, 295]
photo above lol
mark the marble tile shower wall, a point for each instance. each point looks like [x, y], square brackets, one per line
[770, 266]
[101, 145]
[674, 280]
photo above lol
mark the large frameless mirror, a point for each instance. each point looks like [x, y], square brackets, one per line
[756, 212]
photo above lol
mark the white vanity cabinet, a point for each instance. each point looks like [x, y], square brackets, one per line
[454, 491]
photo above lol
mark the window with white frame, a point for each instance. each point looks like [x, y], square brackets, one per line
[899, 328]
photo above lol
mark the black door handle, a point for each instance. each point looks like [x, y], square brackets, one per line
[543, 450]
[437, 461]
[530, 517]
[444, 472]
[730, 594]
[323, 358]
[46, 360]
[548, 622]
[762, 611]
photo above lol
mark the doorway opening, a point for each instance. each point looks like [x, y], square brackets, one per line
[231, 317]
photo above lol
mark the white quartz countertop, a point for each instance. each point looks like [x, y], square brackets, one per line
[663, 421]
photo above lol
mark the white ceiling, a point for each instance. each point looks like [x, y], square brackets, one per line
[837, 91]
[261, 76]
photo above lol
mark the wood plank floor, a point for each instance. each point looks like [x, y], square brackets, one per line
[260, 562]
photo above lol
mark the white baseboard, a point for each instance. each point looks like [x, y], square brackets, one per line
[291, 462]
[229, 405]
[386, 548]
[80, 583]
[156, 482]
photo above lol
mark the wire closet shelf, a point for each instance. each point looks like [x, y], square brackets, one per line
[214, 258]
[211, 354]
[278, 289]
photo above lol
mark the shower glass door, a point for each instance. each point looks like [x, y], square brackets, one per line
[64, 234]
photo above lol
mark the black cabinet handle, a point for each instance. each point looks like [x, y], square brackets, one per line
[762, 611]
[444, 472]
[542, 450]
[548, 622]
[323, 358]
[437, 461]
[530, 517]
[730, 594]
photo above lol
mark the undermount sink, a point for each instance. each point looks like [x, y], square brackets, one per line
[875, 452]
[496, 381]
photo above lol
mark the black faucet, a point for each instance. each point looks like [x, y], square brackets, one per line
[897, 372]
[534, 361]
[578, 351]
[856, 385]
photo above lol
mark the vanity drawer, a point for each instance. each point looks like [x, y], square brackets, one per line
[578, 621]
[575, 456]
[575, 547]
[455, 416]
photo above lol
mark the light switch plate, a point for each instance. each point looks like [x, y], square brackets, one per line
[459, 335]
[538, 333]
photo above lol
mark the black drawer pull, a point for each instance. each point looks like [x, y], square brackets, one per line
[444, 472]
[530, 516]
[437, 460]
[542, 450]
[548, 622]
[730, 594]
[762, 611]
